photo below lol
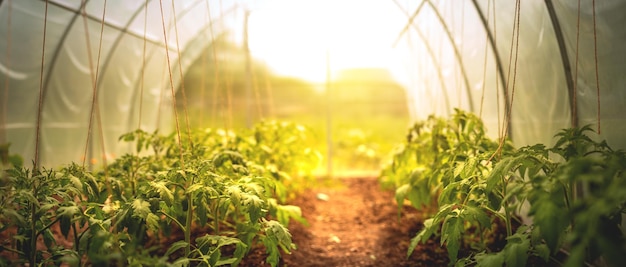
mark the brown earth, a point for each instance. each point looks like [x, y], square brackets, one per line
[351, 222]
[358, 225]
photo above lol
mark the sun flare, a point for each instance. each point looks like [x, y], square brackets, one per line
[295, 38]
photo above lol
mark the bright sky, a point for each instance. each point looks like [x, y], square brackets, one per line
[293, 36]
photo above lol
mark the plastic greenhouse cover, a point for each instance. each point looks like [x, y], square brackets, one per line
[458, 54]
[68, 80]
[541, 101]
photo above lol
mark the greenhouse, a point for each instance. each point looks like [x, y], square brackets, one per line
[312, 133]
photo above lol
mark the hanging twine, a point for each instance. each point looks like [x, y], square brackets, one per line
[40, 100]
[181, 77]
[595, 49]
[169, 68]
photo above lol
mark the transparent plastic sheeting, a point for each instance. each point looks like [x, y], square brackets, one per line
[440, 81]
[67, 84]
[448, 58]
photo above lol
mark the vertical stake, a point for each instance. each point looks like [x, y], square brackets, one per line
[329, 138]
[248, 71]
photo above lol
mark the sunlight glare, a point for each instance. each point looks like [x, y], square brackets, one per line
[293, 37]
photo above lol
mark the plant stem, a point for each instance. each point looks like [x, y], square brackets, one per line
[133, 183]
[509, 231]
[20, 253]
[47, 226]
[32, 254]
[495, 213]
[187, 229]
[76, 245]
[569, 194]
[182, 227]
[32, 257]
[482, 237]
[216, 221]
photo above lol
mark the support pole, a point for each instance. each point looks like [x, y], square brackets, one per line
[248, 67]
[329, 125]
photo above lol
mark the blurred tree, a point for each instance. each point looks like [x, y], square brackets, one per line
[369, 110]
[367, 92]
[212, 80]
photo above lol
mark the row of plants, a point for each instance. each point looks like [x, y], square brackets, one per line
[560, 205]
[205, 200]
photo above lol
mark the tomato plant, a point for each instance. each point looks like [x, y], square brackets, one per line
[230, 186]
[572, 193]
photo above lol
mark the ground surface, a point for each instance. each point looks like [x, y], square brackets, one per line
[352, 222]
[357, 225]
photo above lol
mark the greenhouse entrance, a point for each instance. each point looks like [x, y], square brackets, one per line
[312, 133]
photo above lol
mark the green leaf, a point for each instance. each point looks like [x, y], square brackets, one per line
[65, 215]
[202, 211]
[401, 193]
[165, 193]
[255, 206]
[451, 232]
[414, 242]
[194, 187]
[514, 191]
[16, 161]
[253, 187]
[229, 261]
[280, 234]
[29, 196]
[467, 169]
[13, 216]
[285, 213]
[276, 236]
[477, 214]
[76, 182]
[516, 250]
[211, 245]
[449, 193]
[141, 208]
[234, 157]
[152, 221]
[64, 225]
[94, 187]
[45, 208]
[175, 246]
[429, 229]
[494, 200]
[490, 260]
[182, 262]
[20, 238]
[576, 257]
[68, 211]
[235, 194]
[542, 251]
[551, 219]
[501, 169]
[419, 195]
[48, 238]
[273, 255]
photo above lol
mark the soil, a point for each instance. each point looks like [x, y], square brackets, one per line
[357, 225]
[352, 222]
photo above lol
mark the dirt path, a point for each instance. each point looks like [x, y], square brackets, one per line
[357, 225]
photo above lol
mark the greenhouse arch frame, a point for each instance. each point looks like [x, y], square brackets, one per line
[569, 69]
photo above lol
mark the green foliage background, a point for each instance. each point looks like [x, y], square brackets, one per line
[368, 110]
